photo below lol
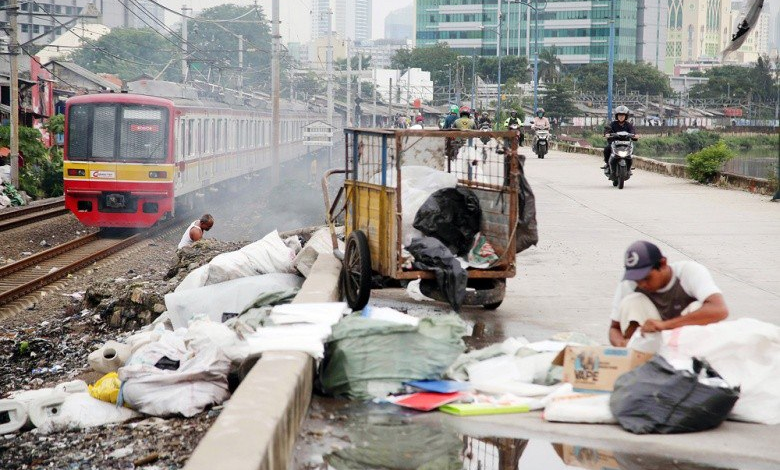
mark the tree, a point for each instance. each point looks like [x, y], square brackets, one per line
[129, 53]
[558, 100]
[512, 68]
[640, 78]
[214, 45]
[341, 64]
[549, 65]
[437, 59]
[736, 81]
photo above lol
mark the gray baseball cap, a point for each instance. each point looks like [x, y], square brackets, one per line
[640, 258]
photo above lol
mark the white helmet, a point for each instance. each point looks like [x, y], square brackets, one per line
[622, 110]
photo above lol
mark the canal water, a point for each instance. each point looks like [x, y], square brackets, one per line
[758, 163]
[344, 435]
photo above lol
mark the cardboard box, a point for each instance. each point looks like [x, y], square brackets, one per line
[596, 368]
[586, 457]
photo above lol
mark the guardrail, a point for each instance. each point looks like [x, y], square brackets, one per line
[724, 179]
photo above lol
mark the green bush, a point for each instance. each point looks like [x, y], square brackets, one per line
[706, 163]
[41, 175]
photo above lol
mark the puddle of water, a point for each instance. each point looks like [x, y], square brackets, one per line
[357, 436]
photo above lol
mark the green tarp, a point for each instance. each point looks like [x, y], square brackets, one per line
[368, 358]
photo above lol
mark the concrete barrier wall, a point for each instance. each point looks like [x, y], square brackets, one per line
[723, 179]
[258, 427]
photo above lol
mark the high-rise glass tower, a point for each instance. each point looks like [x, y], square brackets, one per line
[351, 18]
[579, 30]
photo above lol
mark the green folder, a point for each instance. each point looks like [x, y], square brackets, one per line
[476, 409]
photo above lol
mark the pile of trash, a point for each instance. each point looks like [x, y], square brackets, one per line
[441, 227]
[9, 195]
[684, 380]
[222, 316]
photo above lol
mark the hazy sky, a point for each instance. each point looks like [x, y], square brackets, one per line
[294, 14]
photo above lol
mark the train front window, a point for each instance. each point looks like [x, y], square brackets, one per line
[143, 133]
[115, 132]
[103, 131]
[78, 138]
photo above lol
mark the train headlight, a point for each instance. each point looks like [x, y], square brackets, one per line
[77, 172]
[158, 174]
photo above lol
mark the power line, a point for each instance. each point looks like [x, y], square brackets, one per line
[105, 51]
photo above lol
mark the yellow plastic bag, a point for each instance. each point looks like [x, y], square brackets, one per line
[106, 388]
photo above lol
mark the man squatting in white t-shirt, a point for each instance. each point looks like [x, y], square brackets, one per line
[657, 296]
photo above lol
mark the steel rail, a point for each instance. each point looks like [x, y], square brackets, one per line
[20, 278]
[28, 215]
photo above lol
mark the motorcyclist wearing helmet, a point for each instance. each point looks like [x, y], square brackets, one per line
[484, 120]
[514, 120]
[465, 122]
[540, 122]
[451, 118]
[620, 124]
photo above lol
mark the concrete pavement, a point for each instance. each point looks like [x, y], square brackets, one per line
[568, 280]
[566, 283]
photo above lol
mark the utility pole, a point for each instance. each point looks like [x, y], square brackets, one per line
[508, 17]
[14, 51]
[349, 84]
[610, 72]
[329, 67]
[275, 130]
[498, 54]
[373, 114]
[473, 78]
[390, 101]
[184, 68]
[240, 63]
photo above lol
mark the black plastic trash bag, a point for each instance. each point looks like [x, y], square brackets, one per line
[453, 216]
[657, 398]
[431, 254]
[527, 232]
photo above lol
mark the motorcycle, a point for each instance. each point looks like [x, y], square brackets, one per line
[542, 146]
[619, 168]
[515, 127]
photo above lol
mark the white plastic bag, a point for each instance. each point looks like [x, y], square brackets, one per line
[196, 278]
[323, 313]
[198, 382]
[204, 333]
[580, 408]
[169, 345]
[745, 352]
[231, 296]
[66, 411]
[265, 256]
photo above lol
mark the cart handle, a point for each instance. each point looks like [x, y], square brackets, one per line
[329, 208]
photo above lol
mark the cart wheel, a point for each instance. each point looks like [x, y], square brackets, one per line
[492, 306]
[357, 270]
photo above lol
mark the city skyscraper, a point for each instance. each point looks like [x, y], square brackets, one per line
[351, 18]
[399, 24]
[698, 30]
[652, 16]
[579, 30]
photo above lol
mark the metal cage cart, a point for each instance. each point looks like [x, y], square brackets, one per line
[370, 203]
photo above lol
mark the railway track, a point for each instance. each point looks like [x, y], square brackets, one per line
[28, 215]
[34, 272]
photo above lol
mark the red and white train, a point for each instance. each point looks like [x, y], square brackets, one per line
[130, 158]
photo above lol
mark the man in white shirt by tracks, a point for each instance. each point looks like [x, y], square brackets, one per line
[196, 230]
[655, 295]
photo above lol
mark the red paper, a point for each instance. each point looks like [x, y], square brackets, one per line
[426, 401]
